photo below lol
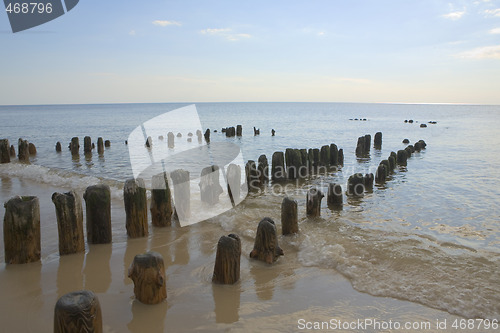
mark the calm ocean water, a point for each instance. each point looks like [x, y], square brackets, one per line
[430, 235]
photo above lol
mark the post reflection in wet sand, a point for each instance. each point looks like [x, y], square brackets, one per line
[97, 271]
[148, 318]
[227, 302]
[69, 273]
[265, 276]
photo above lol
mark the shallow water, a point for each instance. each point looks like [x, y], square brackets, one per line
[429, 236]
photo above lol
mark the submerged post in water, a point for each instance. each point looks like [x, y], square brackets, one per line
[98, 208]
[227, 260]
[69, 214]
[289, 216]
[78, 311]
[148, 273]
[161, 201]
[136, 208]
[266, 246]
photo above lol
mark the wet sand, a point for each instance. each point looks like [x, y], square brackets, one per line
[270, 298]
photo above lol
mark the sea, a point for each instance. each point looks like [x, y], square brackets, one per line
[429, 235]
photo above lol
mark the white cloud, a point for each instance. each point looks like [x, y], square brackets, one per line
[486, 52]
[163, 23]
[492, 12]
[495, 31]
[225, 33]
[454, 15]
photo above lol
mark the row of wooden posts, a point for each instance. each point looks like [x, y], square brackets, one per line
[88, 145]
[364, 142]
[24, 148]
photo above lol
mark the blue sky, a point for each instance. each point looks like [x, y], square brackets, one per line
[425, 51]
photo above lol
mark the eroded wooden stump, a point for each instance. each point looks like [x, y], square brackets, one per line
[98, 209]
[334, 154]
[289, 216]
[4, 151]
[12, 151]
[58, 147]
[263, 170]
[210, 188]
[239, 130]
[21, 230]
[31, 149]
[377, 140]
[324, 156]
[278, 171]
[87, 145]
[356, 185]
[207, 135]
[23, 152]
[313, 202]
[74, 146]
[402, 157]
[171, 139]
[182, 194]
[381, 174]
[252, 176]
[234, 183]
[136, 208]
[266, 246]
[78, 311]
[148, 273]
[368, 181]
[161, 201]
[227, 260]
[341, 156]
[100, 146]
[69, 214]
[107, 143]
[335, 196]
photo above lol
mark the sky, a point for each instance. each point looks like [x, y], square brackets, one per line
[401, 51]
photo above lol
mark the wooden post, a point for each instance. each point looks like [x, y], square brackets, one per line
[266, 246]
[171, 139]
[23, 151]
[289, 216]
[313, 202]
[78, 311]
[107, 143]
[4, 151]
[74, 146]
[381, 174]
[58, 147]
[210, 188]
[87, 145]
[148, 273]
[278, 171]
[304, 171]
[325, 156]
[368, 181]
[356, 185]
[273, 132]
[293, 158]
[392, 163]
[149, 142]
[69, 214]
[182, 194]
[12, 151]
[21, 230]
[234, 183]
[341, 156]
[161, 201]
[263, 170]
[377, 140]
[334, 154]
[256, 131]
[335, 197]
[136, 208]
[368, 140]
[227, 260]
[100, 146]
[198, 134]
[239, 130]
[207, 135]
[31, 149]
[252, 176]
[402, 157]
[98, 209]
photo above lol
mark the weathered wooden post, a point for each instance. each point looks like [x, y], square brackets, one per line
[356, 185]
[136, 208]
[182, 193]
[23, 151]
[148, 273]
[402, 157]
[341, 156]
[335, 197]
[334, 154]
[234, 183]
[210, 188]
[381, 174]
[293, 162]
[239, 130]
[31, 149]
[273, 132]
[256, 131]
[392, 162]
[377, 140]
[78, 311]
[368, 181]
[149, 142]
[100, 145]
[58, 147]
[171, 139]
[289, 216]
[12, 151]
[252, 176]
[74, 146]
[313, 202]
[107, 143]
[69, 214]
[21, 230]
[198, 134]
[207, 135]
[266, 246]
[387, 165]
[325, 156]
[161, 201]
[368, 140]
[98, 208]
[4, 151]
[360, 146]
[87, 145]
[278, 171]
[263, 170]
[227, 260]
